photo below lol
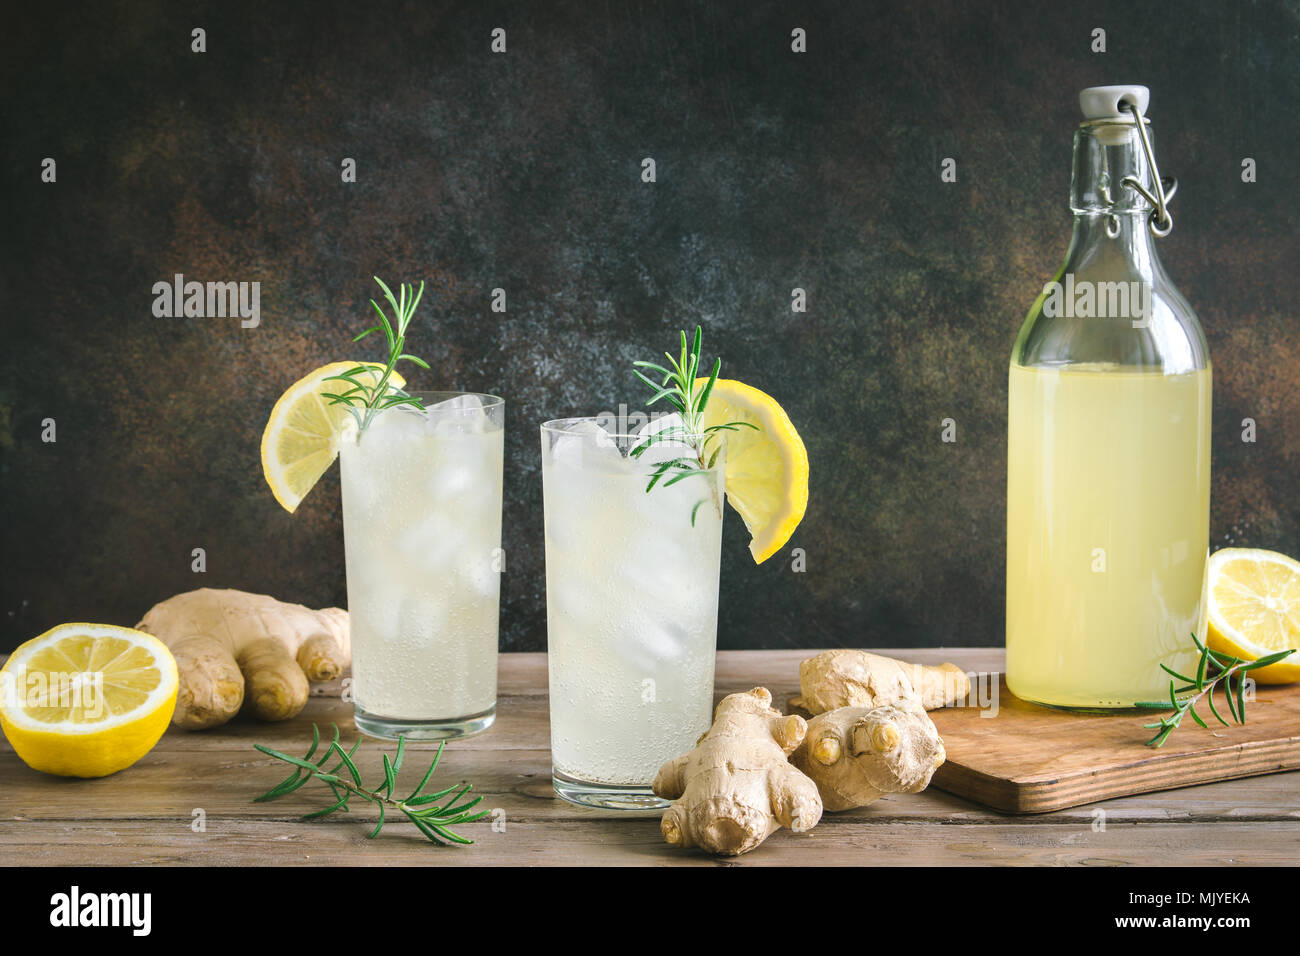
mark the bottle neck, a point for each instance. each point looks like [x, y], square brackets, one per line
[1111, 219]
[1114, 243]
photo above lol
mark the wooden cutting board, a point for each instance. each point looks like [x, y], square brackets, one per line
[1031, 759]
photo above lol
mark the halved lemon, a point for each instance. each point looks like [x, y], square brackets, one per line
[1254, 609]
[87, 700]
[767, 469]
[301, 439]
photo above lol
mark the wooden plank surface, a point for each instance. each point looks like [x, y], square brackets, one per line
[146, 815]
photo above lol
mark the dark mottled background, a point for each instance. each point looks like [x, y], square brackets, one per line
[521, 170]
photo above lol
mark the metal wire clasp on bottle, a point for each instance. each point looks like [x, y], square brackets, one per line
[1161, 221]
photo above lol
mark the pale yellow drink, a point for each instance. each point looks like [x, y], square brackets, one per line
[1108, 500]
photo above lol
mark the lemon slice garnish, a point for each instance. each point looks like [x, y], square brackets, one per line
[302, 435]
[767, 469]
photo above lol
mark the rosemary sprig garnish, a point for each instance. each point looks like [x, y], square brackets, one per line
[680, 387]
[380, 395]
[1212, 670]
[423, 809]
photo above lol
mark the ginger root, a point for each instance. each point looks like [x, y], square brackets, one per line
[232, 648]
[737, 787]
[870, 734]
[856, 755]
[850, 678]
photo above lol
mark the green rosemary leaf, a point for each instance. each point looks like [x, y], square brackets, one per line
[1170, 670]
[1223, 660]
[425, 829]
[288, 785]
[683, 475]
[390, 777]
[695, 511]
[352, 767]
[451, 836]
[654, 368]
[389, 334]
[380, 825]
[708, 388]
[296, 761]
[461, 810]
[663, 467]
[326, 812]
[1267, 659]
[427, 798]
[1232, 706]
[648, 381]
[388, 293]
[411, 358]
[662, 393]
[415, 794]
[674, 433]
[315, 742]
[1209, 699]
[344, 378]
[415, 302]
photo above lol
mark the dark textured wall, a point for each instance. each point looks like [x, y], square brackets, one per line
[775, 170]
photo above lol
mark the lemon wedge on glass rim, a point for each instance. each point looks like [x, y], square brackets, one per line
[1253, 599]
[767, 468]
[87, 700]
[301, 439]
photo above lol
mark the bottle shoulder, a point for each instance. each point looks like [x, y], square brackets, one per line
[1093, 316]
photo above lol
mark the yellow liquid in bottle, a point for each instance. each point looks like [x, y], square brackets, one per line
[1108, 508]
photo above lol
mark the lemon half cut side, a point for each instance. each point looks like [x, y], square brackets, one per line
[87, 700]
[1254, 609]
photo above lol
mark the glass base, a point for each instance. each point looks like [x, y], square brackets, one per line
[606, 796]
[390, 728]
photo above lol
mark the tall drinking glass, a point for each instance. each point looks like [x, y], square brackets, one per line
[631, 610]
[422, 535]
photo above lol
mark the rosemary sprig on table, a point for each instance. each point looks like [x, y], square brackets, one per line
[680, 386]
[377, 394]
[1212, 670]
[423, 809]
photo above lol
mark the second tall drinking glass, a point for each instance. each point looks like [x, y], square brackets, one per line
[631, 611]
[422, 535]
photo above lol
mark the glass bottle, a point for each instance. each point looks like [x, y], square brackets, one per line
[1108, 451]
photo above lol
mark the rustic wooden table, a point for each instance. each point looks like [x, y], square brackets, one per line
[147, 814]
